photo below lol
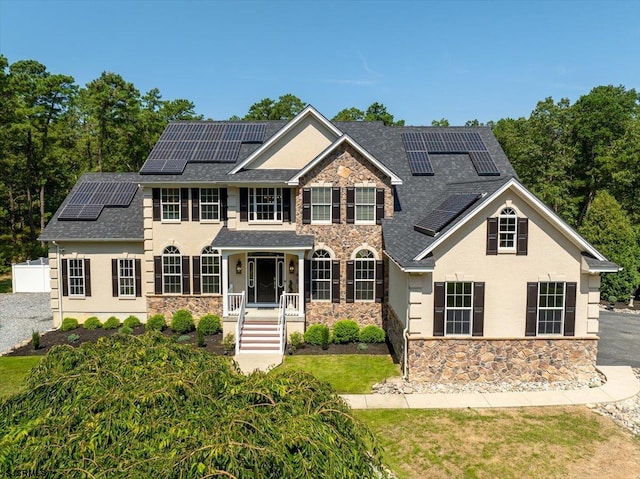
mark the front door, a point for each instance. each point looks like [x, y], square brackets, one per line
[265, 279]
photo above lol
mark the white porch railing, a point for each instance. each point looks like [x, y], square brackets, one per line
[291, 303]
[236, 305]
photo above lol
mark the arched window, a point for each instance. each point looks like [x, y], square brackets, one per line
[321, 275]
[210, 270]
[507, 229]
[365, 275]
[171, 270]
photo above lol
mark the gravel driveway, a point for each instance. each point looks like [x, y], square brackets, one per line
[619, 343]
[20, 315]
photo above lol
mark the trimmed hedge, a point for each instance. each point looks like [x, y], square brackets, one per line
[68, 324]
[131, 322]
[315, 334]
[345, 331]
[209, 324]
[111, 323]
[182, 322]
[371, 334]
[156, 323]
[92, 323]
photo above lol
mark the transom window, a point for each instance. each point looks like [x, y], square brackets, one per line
[209, 204]
[126, 277]
[321, 275]
[210, 270]
[459, 303]
[171, 270]
[265, 204]
[507, 229]
[321, 204]
[76, 277]
[170, 203]
[550, 307]
[365, 205]
[365, 275]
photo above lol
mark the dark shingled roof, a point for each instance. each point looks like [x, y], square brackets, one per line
[227, 238]
[602, 266]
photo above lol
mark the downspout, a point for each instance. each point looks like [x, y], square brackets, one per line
[59, 279]
[405, 331]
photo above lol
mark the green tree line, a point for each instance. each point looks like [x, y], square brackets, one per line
[581, 159]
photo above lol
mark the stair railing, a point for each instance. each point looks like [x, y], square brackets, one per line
[236, 304]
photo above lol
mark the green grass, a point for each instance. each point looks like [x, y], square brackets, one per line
[347, 373]
[13, 370]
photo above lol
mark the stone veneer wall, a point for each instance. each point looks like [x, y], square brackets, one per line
[497, 360]
[198, 305]
[394, 329]
[344, 168]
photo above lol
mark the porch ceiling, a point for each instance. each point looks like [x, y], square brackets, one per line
[261, 240]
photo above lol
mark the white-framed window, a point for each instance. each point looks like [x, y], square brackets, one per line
[321, 275]
[171, 270]
[75, 277]
[365, 275]
[458, 307]
[551, 296]
[265, 204]
[126, 278]
[170, 204]
[321, 204]
[210, 270]
[209, 204]
[365, 204]
[507, 229]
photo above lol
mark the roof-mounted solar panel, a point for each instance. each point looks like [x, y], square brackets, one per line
[87, 202]
[253, 133]
[445, 213]
[417, 156]
[483, 163]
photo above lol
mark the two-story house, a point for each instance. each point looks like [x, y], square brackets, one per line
[424, 231]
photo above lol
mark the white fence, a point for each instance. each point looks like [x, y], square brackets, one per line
[31, 276]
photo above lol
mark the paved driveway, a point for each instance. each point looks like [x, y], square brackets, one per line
[20, 315]
[619, 343]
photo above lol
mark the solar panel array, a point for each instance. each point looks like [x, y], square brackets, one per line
[444, 214]
[87, 202]
[419, 144]
[183, 143]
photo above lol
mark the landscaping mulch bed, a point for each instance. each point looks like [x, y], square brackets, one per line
[213, 343]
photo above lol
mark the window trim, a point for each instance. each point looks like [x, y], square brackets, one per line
[328, 205]
[132, 278]
[560, 308]
[359, 205]
[165, 203]
[216, 204]
[210, 252]
[80, 277]
[278, 205]
[448, 308]
[328, 260]
[358, 260]
[507, 214]
[178, 257]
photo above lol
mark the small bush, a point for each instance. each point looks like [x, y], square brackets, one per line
[183, 338]
[35, 340]
[612, 299]
[68, 324]
[182, 322]
[73, 338]
[200, 338]
[92, 323]
[345, 331]
[131, 322]
[296, 340]
[229, 342]
[125, 330]
[371, 334]
[111, 323]
[313, 334]
[362, 347]
[156, 323]
[325, 339]
[210, 324]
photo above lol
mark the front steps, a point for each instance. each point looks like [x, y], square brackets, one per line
[259, 333]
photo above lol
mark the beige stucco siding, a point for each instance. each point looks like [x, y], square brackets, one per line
[398, 291]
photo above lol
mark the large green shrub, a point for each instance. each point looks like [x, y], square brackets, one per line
[111, 323]
[314, 334]
[210, 324]
[131, 322]
[161, 409]
[182, 322]
[371, 334]
[345, 331]
[92, 323]
[68, 324]
[156, 323]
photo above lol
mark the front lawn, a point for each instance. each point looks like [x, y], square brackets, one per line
[13, 370]
[347, 373]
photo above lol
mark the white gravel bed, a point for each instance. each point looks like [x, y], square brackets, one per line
[20, 315]
[625, 413]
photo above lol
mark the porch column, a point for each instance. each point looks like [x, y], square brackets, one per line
[301, 283]
[225, 283]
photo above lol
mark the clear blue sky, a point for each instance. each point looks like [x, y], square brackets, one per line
[423, 60]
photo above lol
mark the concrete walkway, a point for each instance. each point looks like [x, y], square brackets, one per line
[621, 384]
[263, 362]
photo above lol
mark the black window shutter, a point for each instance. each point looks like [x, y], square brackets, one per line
[570, 309]
[478, 309]
[87, 277]
[438, 309]
[156, 204]
[244, 204]
[65, 277]
[379, 281]
[224, 204]
[185, 275]
[492, 236]
[286, 205]
[184, 204]
[306, 206]
[157, 274]
[335, 202]
[523, 234]
[532, 309]
[138, 276]
[195, 204]
[307, 280]
[379, 205]
[114, 278]
[351, 207]
[350, 281]
[335, 281]
[196, 275]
